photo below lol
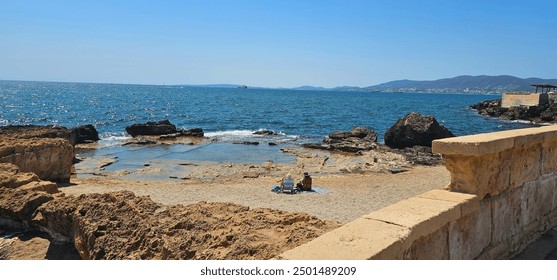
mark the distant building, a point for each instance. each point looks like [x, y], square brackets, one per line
[543, 95]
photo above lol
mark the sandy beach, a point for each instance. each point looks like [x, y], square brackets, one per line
[345, 187]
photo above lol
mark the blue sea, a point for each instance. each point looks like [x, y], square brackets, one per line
[230, 113]
[226, 115]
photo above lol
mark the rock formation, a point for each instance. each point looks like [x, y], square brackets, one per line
[45, 151]
[11, 177]
[415, 130]
[120, 225]
[357, 139]
[86, 134]
[151, 128]
[545, 113]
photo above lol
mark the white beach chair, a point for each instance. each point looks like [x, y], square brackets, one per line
[288, 185]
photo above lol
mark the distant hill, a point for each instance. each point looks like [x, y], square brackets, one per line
[463, 84]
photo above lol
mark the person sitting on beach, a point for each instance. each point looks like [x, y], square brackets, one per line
[306, 182]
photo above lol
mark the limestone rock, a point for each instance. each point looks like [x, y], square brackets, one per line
[38, 131]
[151, 128]
[120, 225]
[50, 158]
[415, 130]
[20, 205]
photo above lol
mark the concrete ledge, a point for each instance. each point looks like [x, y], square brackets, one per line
[391, 232]
[361, 239]
[481, 144]
[422, 216]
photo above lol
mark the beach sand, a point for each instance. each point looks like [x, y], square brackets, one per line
[340, 198]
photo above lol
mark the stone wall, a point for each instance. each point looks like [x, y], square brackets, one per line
[525, 99]
[502, 196]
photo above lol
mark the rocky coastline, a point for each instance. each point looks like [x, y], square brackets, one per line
[545, 113]
[36, 164]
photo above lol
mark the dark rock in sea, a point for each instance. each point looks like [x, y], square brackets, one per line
[357, 139]
[265, 132]
[194, 132]
[86, 134]
[272, 144]
[415, 130]
[246, 142]
[151, 128]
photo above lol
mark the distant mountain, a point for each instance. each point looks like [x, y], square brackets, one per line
[309, 88]
[463, 84]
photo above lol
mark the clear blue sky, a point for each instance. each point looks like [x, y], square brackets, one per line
[279, 43]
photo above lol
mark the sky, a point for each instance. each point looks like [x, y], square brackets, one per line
[275, 43]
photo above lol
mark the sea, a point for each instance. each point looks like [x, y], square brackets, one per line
[228, 115]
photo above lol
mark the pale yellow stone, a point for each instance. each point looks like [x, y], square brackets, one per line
[361, 239]
[434, 246]
[506, 217]
[488, 174]
[422, 216]
[525, 165]
[494, 142]
[468, 202]
[549, 154]
[471, 234]
[472, 145]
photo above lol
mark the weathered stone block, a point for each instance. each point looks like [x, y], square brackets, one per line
[434, 246]
[361, 239]
[479, 175]
[473, 145]
[546, 193]
[468, 202]
[549, 154]
[525, 165]
[422, 216]
[506, 217]
[471, 234]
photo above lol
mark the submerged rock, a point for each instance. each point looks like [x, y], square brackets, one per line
[151, 128]
[265, 132]
[415, 130]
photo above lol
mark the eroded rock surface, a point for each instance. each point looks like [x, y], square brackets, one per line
[120, 225]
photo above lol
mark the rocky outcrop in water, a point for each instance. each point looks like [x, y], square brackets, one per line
[357, 139]
[545, 113]
[415, 130]
[151, 128]
[86, 134]
[43, 150]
